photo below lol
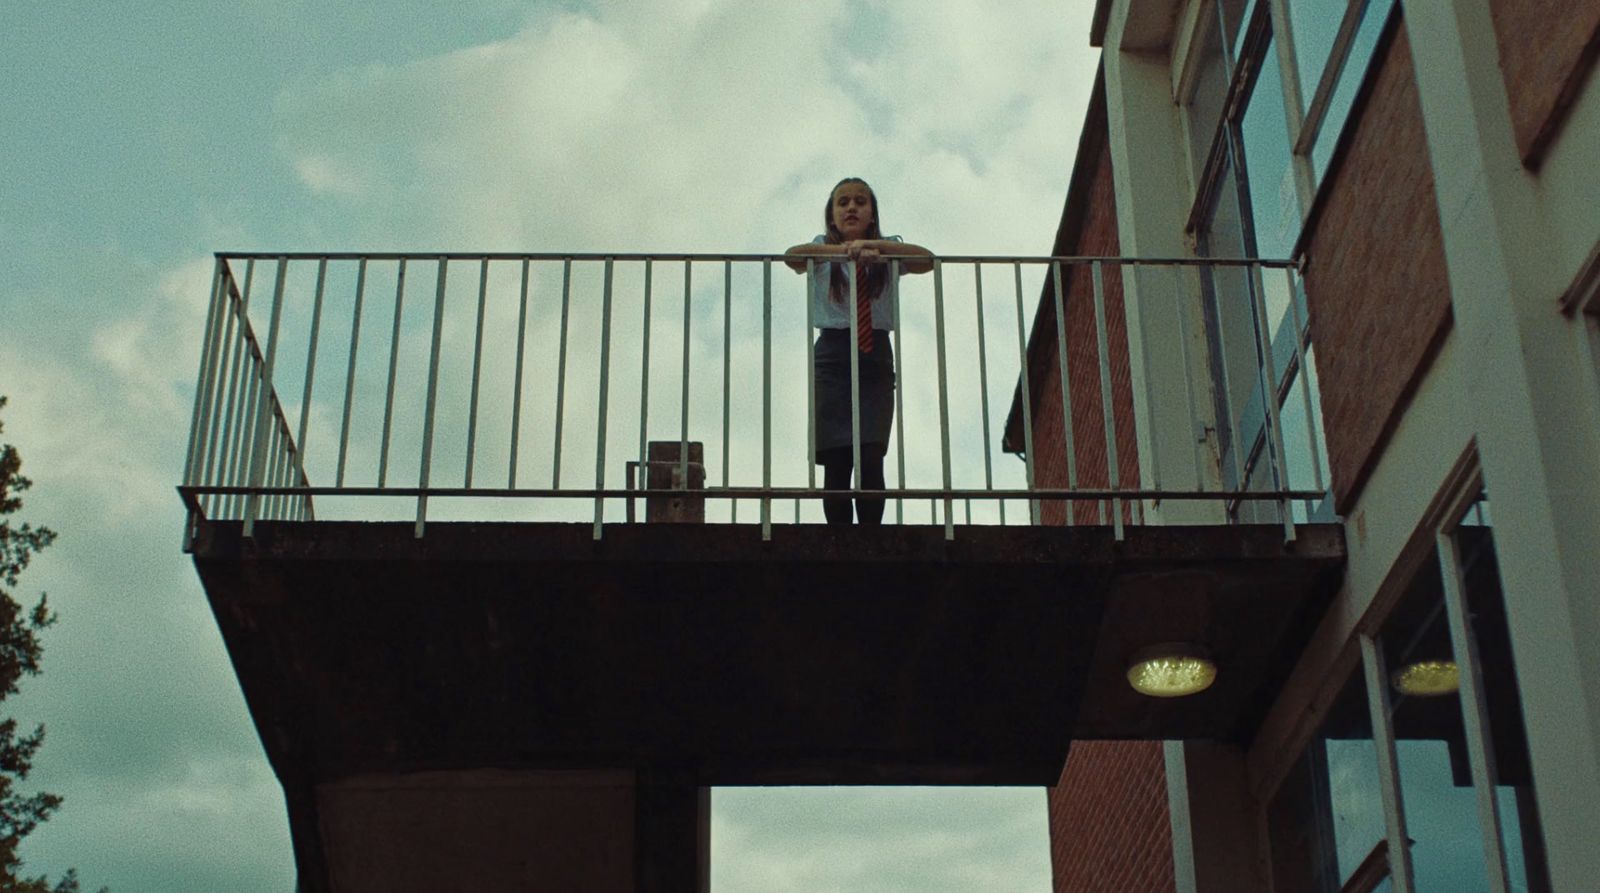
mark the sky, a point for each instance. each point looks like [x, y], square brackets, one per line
[139, 139]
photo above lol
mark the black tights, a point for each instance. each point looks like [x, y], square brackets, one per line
[836, 467]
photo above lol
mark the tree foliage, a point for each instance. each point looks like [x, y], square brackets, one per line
[20, 651]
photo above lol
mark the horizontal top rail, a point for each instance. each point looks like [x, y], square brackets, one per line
[1113, 260]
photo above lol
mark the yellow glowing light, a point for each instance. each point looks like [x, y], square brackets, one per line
[1427, 678]
[1171, 671]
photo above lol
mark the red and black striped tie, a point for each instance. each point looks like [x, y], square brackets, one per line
[863, 311]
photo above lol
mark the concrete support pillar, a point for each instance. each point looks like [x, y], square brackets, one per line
[1167, 344]
[1526, 385]
[672, 815]
[672, 834]
[1215, 844]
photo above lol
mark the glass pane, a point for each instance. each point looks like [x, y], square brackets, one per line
[1234, 14]
[1298, 441]
[1350, 78]
[1521, 835]
[1264, 138]
[1210, 95]
[1327, 816]
[1315, 24]
[1229, 326]
[1430, 741]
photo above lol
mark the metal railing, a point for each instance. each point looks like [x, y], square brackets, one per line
[475, 404]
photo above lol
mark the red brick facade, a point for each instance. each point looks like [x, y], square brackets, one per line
[1546, 50]
[1376, 280]
[1109, 829]
[1095, 236]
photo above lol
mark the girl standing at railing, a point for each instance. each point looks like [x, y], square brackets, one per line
[851, 232]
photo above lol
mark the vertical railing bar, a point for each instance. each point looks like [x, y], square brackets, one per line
[899, 390]
[561, 370]
[1274, 433]
[269, 466]
[350, 372]
[202, 396]
[237, 474]
[727, 368]
[1236, 445]
[1136, 506]
[516, 385]
[644, 373]
[1195, 439]
[221, 412]
[477, 368]
[425, 471]
[944, 396]
[285, 457]
[202, 384]
[605, 391]
[223, 387]
[277, 452]
[1305, 378]
[983, 389]
[1474, 712]
[766, 397]
[683, 428]
[1394, 811]
[855, 375]
[237, 346]
[274, 476]
[311, 357]
[1069, 441]
[1107, 404]
[1027, 393]
[394, 360]
[811, 385]
[263, 410]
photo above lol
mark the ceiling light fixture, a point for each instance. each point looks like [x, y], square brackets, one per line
[1171, 670]
[1427, 678]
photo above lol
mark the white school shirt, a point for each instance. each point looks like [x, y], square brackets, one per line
[826, 314]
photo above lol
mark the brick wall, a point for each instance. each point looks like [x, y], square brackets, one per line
[1097, 236]
[1376, 280]
[1546, 50]
[1109, 829]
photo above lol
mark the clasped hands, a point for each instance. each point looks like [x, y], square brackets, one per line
[862, 250]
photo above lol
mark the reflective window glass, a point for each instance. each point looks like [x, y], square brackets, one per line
[1430, 741]
[1314, 24]
[1344, 94]
[1264, 143]
[1326, 821]
[1210, 95]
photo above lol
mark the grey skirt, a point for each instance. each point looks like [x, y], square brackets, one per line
[832, 380]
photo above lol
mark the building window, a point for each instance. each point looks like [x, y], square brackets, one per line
[1333, 46]
[1510, 765]
[1441, 813]
[1325, 823]
[1456, 718]
[1247, 206]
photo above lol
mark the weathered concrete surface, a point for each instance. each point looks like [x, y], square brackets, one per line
[821, 657]
[382, 669]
